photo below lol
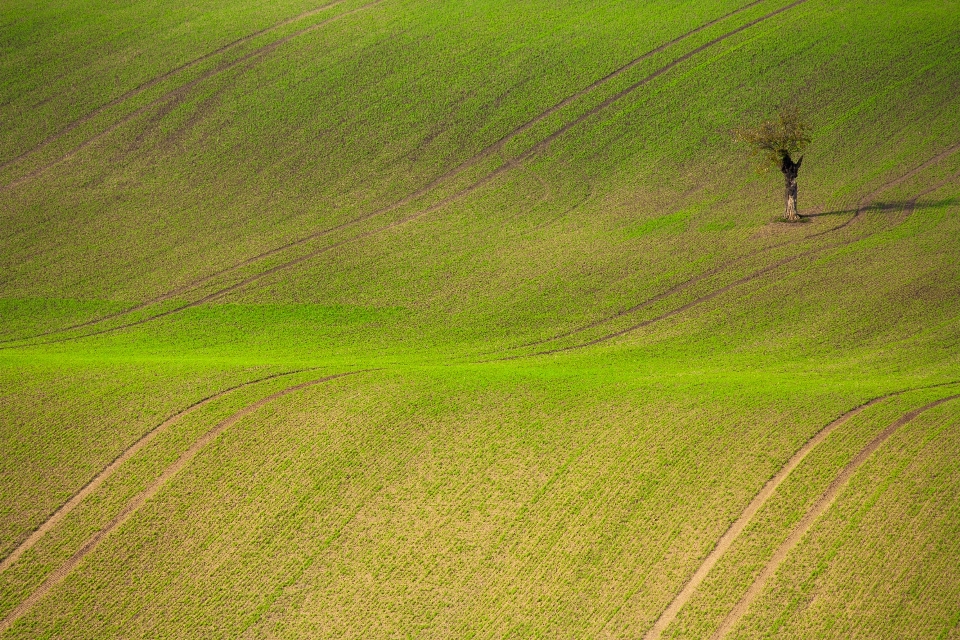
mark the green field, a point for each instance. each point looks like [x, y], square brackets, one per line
[418, 319]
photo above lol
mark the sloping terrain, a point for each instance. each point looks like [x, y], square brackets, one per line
[472, 319]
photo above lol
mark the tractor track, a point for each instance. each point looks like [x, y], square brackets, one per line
[452, 173]
[495, 148]
[543, 144]
[826, 499]
[907, 209]
[768, 489]
[179, 93]
[91, 486]
[149, 84]
[862, 206]
[822, 504]
[146, 494]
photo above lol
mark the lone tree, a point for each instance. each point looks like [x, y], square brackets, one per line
[776, 142]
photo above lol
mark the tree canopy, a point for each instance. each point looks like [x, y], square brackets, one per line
[777, 139]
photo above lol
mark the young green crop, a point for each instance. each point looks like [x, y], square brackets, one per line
[586, 342]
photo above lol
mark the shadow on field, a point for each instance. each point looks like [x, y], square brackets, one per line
[891, 205]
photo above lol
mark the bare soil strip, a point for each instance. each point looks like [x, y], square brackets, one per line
[180, 92]
[659, 72]
[157, 80]
[138, 501]
[109, 470]
[727, 539]
[946, 153]
[820, 506]
[426, 189]
[496, 147]
[908, 211]
[862, 206]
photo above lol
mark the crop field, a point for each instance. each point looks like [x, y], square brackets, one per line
[473, 319]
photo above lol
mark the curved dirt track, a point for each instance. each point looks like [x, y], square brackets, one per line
[157, 80]
[862, 205]
[151, 490]
[820, 506]
[907, 209]
[426, 189]
[109, 470]
[731, 534]
[451, 198]
[662, 70]
[179, 93]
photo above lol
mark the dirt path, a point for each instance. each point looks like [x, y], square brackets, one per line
[492, 149]
[141, 498]
[451, 198]
[908, 211]
[157, 80]
[820, 506]
[109, 470]
[659, 72]
[727, 539]
[862, 206]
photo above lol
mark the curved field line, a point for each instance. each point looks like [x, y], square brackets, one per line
[732, 533]
[179, 93]
[908, 211]
[157, 80]
[862, 205]
[151, 490]
[495, 148]
[662, 70]
[490, 150]
[946, 153]
[109, 470]
[820, 506]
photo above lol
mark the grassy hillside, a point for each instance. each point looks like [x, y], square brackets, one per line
[594, 387]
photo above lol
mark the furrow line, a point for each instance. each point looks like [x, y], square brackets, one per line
[864, 203]
[179, 93]
[492, 149]
[488, 151]
[140, 499]
[908, 211]
[476, 185]
[109, 470]
[818, 509]
[946, 153]
[656, 74]
[158, 79]
[768, 489]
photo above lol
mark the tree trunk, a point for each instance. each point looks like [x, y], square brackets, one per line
[790, 170]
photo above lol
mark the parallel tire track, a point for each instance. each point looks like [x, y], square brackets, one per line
[179, 93]
[908, 211]
[109, 470]
[543, 144]
[822, 504]
[138, 501]
[731, 534]
[862, 206]
[485, 153]
[158, 79]
[494, 148]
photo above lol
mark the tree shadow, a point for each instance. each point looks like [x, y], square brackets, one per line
[888, 205]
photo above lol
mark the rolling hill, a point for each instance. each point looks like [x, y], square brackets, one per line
[471, 319]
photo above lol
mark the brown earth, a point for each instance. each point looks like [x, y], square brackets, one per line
[820, 506]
